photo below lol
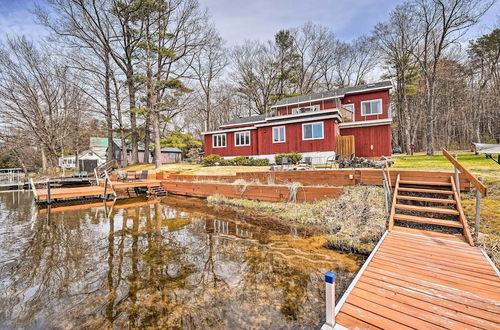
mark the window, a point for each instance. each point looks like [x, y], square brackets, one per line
[219, 140]
[349, 107]
[312, 131]
[279, 134]
[242, 138]
[373, 107]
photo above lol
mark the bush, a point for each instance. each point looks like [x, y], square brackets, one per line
[293, 157]
[211, 160]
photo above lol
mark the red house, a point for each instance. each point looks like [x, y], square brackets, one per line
[309, 124]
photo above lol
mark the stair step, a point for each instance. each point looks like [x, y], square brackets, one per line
[429, 191]
[432, 221]
[426, 209]
[427, 199]
[425, 183]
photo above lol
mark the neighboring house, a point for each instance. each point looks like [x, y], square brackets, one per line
[309, 124]
[99, 145]
[168, 155]
[88, 160]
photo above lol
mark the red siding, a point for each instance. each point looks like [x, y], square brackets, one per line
[349, 99]
[231, 149]
[366, 138]
[294, 142]
[356, 100]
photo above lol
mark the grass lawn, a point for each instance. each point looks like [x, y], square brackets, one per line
[490, 205]
[196, 169]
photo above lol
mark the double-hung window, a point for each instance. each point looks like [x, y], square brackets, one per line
[219, 140]
[242, 138]
[312, 131]
[372, 107]
[279, 134]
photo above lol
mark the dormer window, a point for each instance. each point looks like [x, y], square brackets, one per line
[372, 107]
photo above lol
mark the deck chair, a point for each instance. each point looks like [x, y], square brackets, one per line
[285, 162]
[144, 175]
[306, 161]
[332, 160]
[130, 176]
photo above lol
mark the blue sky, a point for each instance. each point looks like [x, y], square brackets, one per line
[237, 20]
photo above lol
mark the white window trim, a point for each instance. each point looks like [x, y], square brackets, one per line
[243, 145]
[372, 114]
[322, 131]
[284, 134]
[213, 140]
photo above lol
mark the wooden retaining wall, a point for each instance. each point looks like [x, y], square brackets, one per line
[325, 177]
[256, 192]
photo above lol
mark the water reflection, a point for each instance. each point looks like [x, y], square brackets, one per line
[174, 264]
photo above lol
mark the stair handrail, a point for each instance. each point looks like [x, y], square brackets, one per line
[108, 180]
[475, 181]
[481, 189]
[461, 214]
[394, 201]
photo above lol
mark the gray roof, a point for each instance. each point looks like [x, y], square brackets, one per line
[334, 93]
[170, 149]
[244, 120]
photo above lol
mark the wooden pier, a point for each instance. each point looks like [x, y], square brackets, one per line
[424, 280]
[424, 277]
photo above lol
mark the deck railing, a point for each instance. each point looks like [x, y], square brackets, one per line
[481, 189]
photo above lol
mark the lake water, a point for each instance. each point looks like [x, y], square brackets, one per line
[175, 263]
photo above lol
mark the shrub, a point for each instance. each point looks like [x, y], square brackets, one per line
[293, 157]
[211, 160]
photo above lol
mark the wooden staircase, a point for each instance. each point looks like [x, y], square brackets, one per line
[435, 204]
[157, 191]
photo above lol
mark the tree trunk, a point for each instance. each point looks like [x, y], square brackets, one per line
[156, 128]
[109, 115]
[147, 139]
[430, 117]
[44, 160]
[133, 118]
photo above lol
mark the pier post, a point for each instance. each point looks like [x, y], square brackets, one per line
[104, 196]
[330, 298]
[48, 192]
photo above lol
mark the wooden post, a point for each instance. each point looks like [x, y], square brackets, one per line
[105, 188]
[48, 192]
[33, 188]
[457, 177]
[478, 211]
[330, 298]
[96, 176]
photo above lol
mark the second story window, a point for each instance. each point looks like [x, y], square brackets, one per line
[279, 134]
[242, 138]
[372, 107]
[219, 140]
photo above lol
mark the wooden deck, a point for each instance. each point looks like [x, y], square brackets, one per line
[424, 280]
[70, 193]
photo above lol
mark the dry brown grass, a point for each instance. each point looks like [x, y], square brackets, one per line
[353, 222]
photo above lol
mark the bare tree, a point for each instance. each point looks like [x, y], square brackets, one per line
[208, 66]
[440, 23]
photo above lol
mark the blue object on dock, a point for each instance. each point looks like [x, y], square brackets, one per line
[329, 277]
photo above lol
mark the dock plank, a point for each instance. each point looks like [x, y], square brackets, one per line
[423, 280]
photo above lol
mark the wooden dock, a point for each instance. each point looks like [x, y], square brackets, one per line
[424, 280]
[424, 277]
[69, 193]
